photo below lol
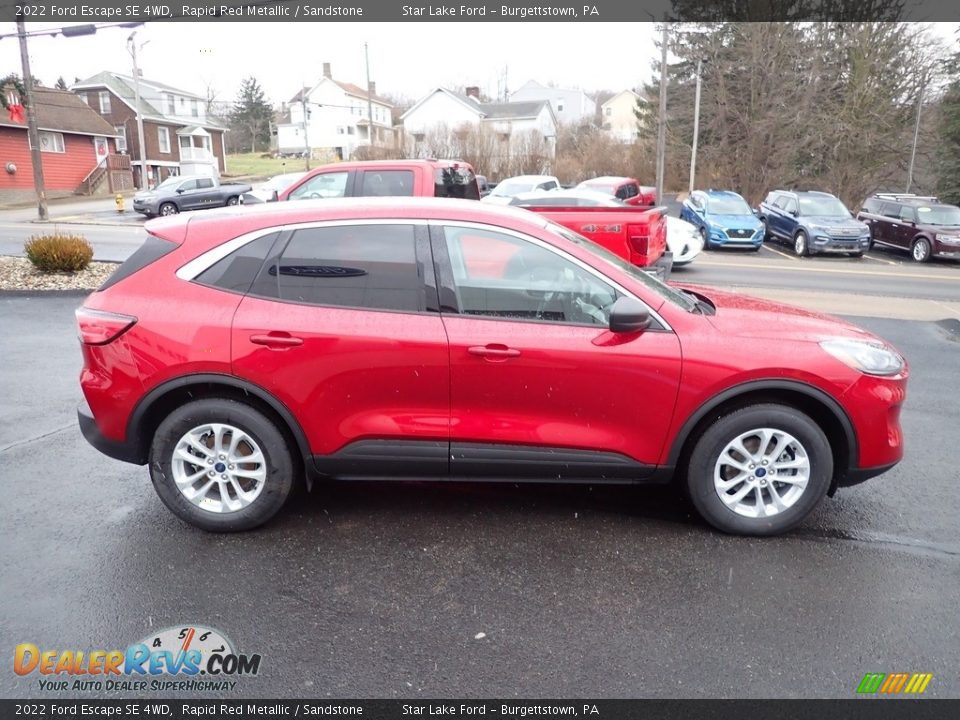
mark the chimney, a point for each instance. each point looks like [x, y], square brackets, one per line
[326, 70]
[373, 87]
[474, 92]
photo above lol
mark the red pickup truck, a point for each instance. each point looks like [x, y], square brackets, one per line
[629, 190]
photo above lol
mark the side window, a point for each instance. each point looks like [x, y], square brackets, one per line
[789, 205]
[356, 266]
[623, 192]
[907, 214]
[386, 183]
[550, 185]
[890, 210]
[501, 276]
[204, 184]
[237, 270]
[631, 191]
[324, 185]
[871, 205]
[188, 185]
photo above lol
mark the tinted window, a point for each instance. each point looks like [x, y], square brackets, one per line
[238, 269]
[505, 277]
[386, 183]
[324, 185]
[907, 214]
[551, 185]
[871, 205]
[631, 191]
[188, 185]
[204, 183]
[360, 266]
[890, 209]
[456, 182]
[788, 204]
[152, 250]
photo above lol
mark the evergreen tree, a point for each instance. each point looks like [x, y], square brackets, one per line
[61, 83]
[948, 185]
[251, 116]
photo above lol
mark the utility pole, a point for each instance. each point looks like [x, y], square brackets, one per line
[696, 126]
[306, 122]
[32, 132]
[132, 49]
[366, 55]
[662, 121]
[916, 131]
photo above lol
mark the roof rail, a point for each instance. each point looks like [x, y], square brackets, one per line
[907, 196]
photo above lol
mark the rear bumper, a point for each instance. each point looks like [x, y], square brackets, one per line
[125, 451]
[662, 267]
[855, 476]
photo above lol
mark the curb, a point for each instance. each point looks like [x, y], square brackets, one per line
[80, 220]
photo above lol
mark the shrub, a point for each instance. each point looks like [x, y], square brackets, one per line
[58, 252]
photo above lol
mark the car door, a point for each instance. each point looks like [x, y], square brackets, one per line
[539, 386]
[187, 195]
[884, 229]
[341, 326]
[208, 194]
[905, 227]
[691, 209]
[328, 184]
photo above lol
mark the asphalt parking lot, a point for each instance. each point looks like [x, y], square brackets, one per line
[384, 590]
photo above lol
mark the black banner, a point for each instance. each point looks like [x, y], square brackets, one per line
[861, 709]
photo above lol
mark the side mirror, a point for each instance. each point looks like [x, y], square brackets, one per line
[274, 196]
[179, 191]
[629, 315]
[795, 213]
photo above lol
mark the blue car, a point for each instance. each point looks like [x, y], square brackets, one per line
[813, 222]
[723, 218]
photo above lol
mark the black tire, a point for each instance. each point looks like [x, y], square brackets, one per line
[920, 251]
[280, 466]
[767, 237]
[706, 238]
[168, 208]
[856, 254]
[801, 244]
[705, 497]
[233, 200]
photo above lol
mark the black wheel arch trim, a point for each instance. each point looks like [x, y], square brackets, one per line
[140, 412]
[736, 391]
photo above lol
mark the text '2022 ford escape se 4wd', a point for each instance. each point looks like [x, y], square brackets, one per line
[239, 352]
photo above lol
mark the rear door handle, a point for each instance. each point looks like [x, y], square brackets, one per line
[276, 340]
[493, 351]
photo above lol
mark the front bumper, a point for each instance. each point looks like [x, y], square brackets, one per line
[146, 208]
[125, 451]
[723, 238]
[823, 243]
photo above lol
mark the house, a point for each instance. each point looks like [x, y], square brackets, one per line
[334, 116]
[77, 148]
[512, 125]
[179, 139]
[570, 105]
[617, 116]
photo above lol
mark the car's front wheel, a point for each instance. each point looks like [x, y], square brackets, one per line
[759, 470]
[169, 209]
[800, 244]
[221, 465]
[921, 250]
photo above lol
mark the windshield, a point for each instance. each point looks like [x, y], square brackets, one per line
[171, 181]
[822, 206]
[660, 288]
[729, 206]
[511, 188]
[281, 182]
[941, 215]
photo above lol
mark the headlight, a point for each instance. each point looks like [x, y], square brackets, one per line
[871, 358]
[949, 239]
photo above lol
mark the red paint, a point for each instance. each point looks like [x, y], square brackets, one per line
[61, 171]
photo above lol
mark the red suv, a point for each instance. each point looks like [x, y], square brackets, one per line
[241, 351]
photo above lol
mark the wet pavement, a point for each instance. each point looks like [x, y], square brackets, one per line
[380, 590]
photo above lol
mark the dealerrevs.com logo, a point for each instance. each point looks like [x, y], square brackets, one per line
[183, 658]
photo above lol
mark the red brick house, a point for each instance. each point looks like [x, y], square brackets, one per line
[179, 139]
[77, 148]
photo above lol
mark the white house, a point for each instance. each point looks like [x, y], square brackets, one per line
[509, 121]
[337, 118]
[617, 116]
[570, 105]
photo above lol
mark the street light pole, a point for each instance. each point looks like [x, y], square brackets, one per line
[32, 132]
[132, 49]
[696, 126]
[662, 119]
[306, 123]
[366, 55]
[916, 132]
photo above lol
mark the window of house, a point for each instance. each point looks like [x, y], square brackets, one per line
[372, 267]
[51, 142]
[104, 101]
[163, 139]
[171, 105]
[559, 107]
[195, 108]
[418, 137]
[609, 112]
[121, 130]
[350, 130]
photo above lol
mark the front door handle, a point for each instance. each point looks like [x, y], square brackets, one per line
[276, 340]
[493, 351]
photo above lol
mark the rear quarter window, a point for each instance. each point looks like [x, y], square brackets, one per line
[237, 271]
[153, 249]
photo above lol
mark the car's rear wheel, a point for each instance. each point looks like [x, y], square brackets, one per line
[759, 470]
[920, 250]
[221, 465]
[169, 209]
[800, 245]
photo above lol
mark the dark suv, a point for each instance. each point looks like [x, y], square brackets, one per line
[922, 225]
[812, 222]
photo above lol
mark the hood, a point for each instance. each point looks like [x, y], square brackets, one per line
[736, 221]
[143, 194]
[751, 317]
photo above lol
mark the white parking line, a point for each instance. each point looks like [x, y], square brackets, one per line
[778, 252]
[883, 260]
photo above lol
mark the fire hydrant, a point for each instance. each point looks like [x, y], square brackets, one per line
[119, 201]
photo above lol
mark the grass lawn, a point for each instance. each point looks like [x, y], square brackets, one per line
[254, 166]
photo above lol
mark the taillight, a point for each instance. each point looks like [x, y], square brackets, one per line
[639, 238]
[97, 327]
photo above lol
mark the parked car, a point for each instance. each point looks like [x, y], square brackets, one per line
[252, 349]
[271, 188]
[506, 189]
[623, 188]
[813, 222]
[385, 178]
[923, 226]
[682, 240]
[187, 192]
[723, 219]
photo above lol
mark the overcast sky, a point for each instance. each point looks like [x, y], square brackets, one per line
[405, 58]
